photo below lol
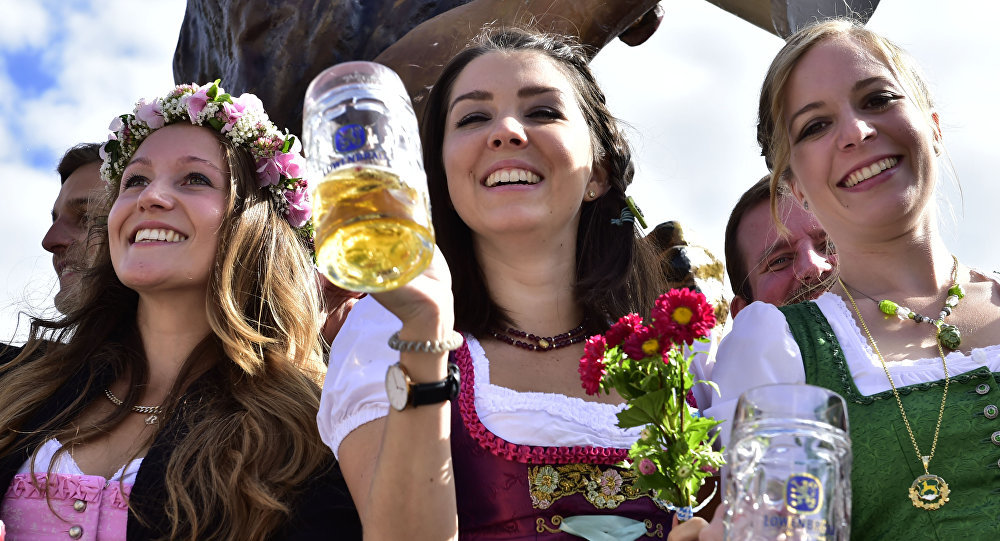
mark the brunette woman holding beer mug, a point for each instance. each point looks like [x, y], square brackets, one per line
[847, 122]
[177, 399]
[527, 172]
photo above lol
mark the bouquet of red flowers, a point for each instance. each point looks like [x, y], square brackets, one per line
[645, 363]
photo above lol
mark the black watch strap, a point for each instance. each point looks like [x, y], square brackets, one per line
[439, 391]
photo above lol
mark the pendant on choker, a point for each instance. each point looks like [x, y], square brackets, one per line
[929, 492]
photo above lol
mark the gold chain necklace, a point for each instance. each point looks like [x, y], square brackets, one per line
[928, 491]
[152, 411]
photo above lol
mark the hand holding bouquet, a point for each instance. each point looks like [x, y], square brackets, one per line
[645, 363]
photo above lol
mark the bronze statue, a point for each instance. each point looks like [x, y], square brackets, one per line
[274, 48]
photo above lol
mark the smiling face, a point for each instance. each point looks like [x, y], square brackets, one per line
[66, 238]
[862, 152]
[163, 227]
[517, 150]
[782, 269]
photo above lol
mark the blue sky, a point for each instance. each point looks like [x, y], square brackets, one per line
[689, 95]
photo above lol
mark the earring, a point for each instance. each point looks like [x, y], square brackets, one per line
[591, 194]
[805, 204]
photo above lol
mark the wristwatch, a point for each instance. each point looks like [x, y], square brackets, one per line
[403, 392]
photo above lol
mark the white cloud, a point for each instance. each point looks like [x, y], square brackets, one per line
[24, 24]
[25, 269]
[105, 63]
[102, 60]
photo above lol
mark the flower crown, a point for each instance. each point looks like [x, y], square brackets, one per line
[242, 119]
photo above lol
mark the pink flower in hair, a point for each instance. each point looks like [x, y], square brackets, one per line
[270, 170]
[290, 164]
[196, 102]
[249, 101]
[151, 113]
[240, 106]
[104, 155]
[299, 209]
[232, 112]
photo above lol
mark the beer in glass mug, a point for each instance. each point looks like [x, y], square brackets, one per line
[370, 210]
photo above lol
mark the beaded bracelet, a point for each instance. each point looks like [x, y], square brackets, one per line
[449, 343]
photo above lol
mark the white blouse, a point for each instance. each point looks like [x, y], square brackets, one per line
[66, 465]
[760, 349]
[354, 393]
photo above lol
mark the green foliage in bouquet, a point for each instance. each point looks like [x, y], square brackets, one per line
[646, 364]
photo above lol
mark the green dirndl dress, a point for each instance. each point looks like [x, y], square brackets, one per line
[885, 463]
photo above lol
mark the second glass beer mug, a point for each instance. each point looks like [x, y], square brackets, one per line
[371, 211]
[789, 465]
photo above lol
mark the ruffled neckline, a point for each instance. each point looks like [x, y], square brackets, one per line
[534, 454]
[61, 486]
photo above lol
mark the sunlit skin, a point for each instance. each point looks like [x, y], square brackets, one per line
[782, 268]
[66, 238]
[846, 110]
[177, 181]
[518, 111]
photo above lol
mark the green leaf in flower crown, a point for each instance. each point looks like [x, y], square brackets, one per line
[216, 123]
[224, 98]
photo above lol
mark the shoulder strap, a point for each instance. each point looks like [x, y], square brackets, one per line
[811, 331]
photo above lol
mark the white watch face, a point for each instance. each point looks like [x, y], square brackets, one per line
[396, 387]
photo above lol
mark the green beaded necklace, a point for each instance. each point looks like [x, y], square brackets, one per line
[948, 335]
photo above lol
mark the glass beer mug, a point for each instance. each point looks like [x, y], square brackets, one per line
[789, 464]
[370, 210]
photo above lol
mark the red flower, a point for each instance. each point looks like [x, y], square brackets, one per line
[644, 342]
[682, 315]
[592, 364]
[620, 330]
[691, 400]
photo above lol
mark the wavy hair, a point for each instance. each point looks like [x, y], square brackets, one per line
[772, 126]
[616, 269]
[258, 373]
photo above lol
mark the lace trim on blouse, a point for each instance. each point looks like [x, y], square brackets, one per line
[510, 451]
[600, 419]
[909, 374]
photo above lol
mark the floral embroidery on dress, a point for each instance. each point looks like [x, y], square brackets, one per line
[604, 488]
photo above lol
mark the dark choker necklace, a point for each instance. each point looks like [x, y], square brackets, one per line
[532, 342]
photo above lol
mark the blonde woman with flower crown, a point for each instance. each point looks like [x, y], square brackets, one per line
[907, 334]
[178, 400]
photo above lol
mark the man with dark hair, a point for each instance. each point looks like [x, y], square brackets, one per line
[767, 265]
[66, 239]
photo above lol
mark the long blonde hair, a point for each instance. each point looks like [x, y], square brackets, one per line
[258, 374]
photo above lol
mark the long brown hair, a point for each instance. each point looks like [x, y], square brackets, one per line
[258, 373]
[616, 269]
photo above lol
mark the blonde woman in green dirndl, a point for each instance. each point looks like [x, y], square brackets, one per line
[906, 332]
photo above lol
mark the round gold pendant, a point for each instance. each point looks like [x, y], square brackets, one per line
[929, 492]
